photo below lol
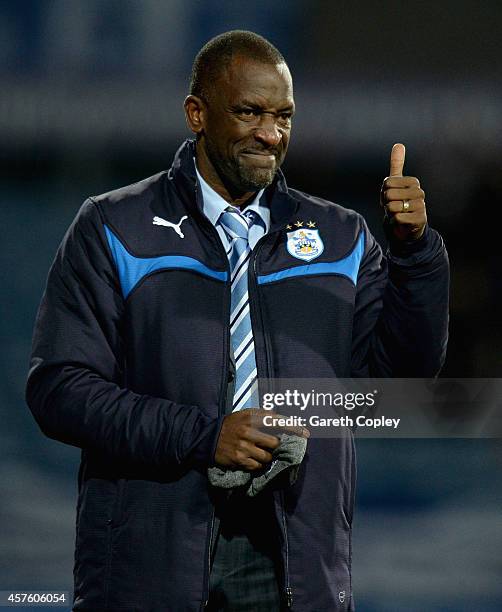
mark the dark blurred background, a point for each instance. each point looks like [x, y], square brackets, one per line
[91, 99]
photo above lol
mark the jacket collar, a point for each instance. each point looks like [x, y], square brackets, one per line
[282, 204]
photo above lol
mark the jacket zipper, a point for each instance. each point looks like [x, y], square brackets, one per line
[287, 586]
[206, 599]
[254, 287]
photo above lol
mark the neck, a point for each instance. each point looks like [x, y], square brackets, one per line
[208, 172]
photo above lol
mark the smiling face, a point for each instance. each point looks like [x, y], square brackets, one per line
[244, 127]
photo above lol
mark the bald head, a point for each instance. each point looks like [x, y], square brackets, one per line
[217, 54]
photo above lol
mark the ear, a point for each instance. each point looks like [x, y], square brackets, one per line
[195, 113]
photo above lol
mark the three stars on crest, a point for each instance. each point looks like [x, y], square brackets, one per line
[300, 224]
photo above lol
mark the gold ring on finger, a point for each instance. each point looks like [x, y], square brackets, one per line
[406, 206]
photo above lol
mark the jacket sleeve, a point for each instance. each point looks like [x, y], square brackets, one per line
[401, 310]
[74, 385]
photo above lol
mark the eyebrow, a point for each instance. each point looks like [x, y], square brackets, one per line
[288, 107]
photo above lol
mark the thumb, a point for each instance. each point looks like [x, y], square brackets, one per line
[397, 159]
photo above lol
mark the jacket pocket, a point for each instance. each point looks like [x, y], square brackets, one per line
[101, 502]
[100, 509]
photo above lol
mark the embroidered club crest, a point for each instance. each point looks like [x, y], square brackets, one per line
[305, 244]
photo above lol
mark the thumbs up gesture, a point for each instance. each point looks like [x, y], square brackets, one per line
[402, 199]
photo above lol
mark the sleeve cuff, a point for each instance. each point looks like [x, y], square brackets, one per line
[202, 453]
[405, 248]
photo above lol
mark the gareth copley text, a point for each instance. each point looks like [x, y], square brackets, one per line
[315, 420]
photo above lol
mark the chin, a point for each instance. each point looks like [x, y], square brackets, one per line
[256, 178]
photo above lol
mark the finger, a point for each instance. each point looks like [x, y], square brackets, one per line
[249, 456]
[262, 439]
[397, 206]
[413, 193]
[400, 182]
[249, 464]
[397, 159]
[417, 218]
[260, 455]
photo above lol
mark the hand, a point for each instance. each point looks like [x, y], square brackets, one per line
[242, 445]
[405, 224]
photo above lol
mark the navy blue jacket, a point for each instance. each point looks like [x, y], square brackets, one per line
[130, 364]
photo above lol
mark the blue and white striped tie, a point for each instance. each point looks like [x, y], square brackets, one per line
[246, 382]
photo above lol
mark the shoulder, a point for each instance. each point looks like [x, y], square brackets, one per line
[135, 193]
[344, 227]
[346, 222]
[129, 210]
[336, 212]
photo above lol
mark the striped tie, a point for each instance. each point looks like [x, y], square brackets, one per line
[246, 382]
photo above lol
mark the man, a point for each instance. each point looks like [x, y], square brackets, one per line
[137, 357]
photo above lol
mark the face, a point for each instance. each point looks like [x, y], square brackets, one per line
[246, 125]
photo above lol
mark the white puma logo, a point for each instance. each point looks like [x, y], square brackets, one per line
[175, 226]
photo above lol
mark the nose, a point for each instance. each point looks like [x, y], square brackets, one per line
[267, 132]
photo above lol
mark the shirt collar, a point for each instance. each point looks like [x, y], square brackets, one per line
[214, 204]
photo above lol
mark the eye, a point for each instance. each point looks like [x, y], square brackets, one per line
[285, 118]
[248, 113]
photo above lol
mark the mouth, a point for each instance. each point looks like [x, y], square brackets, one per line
[260, 157]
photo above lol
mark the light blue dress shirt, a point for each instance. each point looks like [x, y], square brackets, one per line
[214, 205]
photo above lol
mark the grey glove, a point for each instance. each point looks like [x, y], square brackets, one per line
[287, 456]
